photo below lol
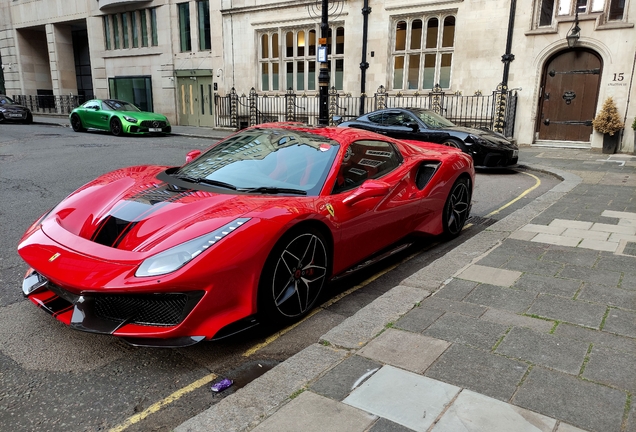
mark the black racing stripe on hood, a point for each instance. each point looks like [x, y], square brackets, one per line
[114, 228]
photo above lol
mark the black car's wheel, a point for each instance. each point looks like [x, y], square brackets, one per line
[456, 208]
[29, 118]
[115, 127]
[1, 118]
[294, 274]
[452, 142]
[76, 123]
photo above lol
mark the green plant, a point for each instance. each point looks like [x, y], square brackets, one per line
[634, 124]
[607, 121]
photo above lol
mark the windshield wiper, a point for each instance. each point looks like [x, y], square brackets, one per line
[274, 190]
[202, 180]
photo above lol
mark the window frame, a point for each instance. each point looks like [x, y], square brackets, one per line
[565, 11]
[204, 26]
[185, 27]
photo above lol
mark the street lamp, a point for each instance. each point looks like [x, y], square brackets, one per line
[575, 33]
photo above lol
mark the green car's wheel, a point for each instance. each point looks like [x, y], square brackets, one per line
[76, 123]
[115, 127]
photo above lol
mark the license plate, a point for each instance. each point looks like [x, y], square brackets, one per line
[154, 129]
[15, 115]
[515, 153]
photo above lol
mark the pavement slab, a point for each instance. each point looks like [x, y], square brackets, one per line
[478, 370]
[384, 425]
[572, 311]
[583, 404]
[411, 351]
[513, 300]
[456, 289]
[602, 277]
[612, 296]
[492, 275]
[511, 319]
[344, 377]
[310, 412]
[418, 319]
[596, 337]
[544, 349]
[438, 303]
[534, 265]
[621, 322]
[614, 368]
[473, 412]
[577, 257]
[548, 285]
[466, 330]
[403, 397]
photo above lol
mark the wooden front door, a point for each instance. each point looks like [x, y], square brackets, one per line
[569, 93]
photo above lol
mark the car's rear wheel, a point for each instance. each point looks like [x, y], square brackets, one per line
[115, 127]
[452, 142]
[457, 208]
[29, 118]
[76, 123]
[294, 274]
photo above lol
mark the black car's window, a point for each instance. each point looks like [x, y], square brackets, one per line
[375, 118]
[117, 105]
[364, 160]
[92, 105]
[433, 120]
[398, 119]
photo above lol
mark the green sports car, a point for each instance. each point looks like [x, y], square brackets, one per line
[118, 117]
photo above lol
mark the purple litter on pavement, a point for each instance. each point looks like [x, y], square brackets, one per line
[222, 385]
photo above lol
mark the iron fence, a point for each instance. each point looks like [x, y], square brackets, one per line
[62, 104]
[494, 111]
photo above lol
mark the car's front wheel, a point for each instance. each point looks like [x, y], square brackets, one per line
[76, 123]
[29, 118]
[457, 208]
[116, 127]
[294, 274]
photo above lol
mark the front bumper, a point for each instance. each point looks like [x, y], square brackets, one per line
[149, 127]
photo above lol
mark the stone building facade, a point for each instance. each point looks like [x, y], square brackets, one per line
[172, 56]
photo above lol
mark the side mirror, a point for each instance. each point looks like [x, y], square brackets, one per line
[96, 108]
[368, 189]
[413, 126]
[337, 119]
[192, 154]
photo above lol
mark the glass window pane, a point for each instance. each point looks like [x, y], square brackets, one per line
[275, 53]
[107, 31]
[547, 9]
[311, 76]
[144, 28]
[116, 30]
[398, 72]
[153, 27]
[581, 6]
[449, 32]
[431, 33]
[300, 43]
[184, 27]
[300, 75]
[597, 5]
[135, 29]
[416, 34]
[275, 77]
[265, 77]
[428, 81]
[289, 44]
[565, 6]
[205, 37]
[289, 77]
[264, 47]
[312, 43]
[339, 78]
[414, 71]
[340, 35]
[616, 10]
[124, 28]
[445, 70]
[400, 36]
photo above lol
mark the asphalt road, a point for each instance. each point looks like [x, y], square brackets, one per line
[56, 379]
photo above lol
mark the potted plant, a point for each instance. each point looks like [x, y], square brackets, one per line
[608, 122]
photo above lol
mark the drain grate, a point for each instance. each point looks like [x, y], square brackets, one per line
[478, 220]
[630, 249]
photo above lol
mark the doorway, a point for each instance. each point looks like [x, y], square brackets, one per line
[568, 96]
[196, 100]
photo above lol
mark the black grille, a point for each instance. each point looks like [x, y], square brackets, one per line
[155, 309]
[153, 124]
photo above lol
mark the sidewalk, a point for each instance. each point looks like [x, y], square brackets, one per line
[528, 326]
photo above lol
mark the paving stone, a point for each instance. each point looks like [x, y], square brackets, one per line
[617, 237]
[628, 281]
[603, 277]
[631, 420]
[572, 311]
[384, 425]
[612, 262]
[545, 229]
[522, 235]
[410, 351]
[614, 368]
[512, 319]
[473, 412]
[456, 289]
[584, 404]
[599, 245]
[310, 412]
[612, 296]
[621, 322]
[548, 285]
[601, 339]
[557, 240]
[512, 300]
[466, 330]
[459, 307]
[520, 248]
[478, 370]
[340, 381]
[614, 228]
[577, 257]
[544, 349]
[418, 319]
[567, 223]
[403, 397]
[490, 275]
[586, 234]
[565, 427]
[534, 265]
[619, 214]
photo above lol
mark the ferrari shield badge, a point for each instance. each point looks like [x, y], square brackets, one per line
[330, 210]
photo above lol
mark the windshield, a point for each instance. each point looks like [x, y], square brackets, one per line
[6, 100]
[433, 120]
[116, 105]
[264, 160]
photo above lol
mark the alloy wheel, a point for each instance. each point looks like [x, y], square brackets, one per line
[457, 208]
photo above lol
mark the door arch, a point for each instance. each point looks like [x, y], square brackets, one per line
[570, 85]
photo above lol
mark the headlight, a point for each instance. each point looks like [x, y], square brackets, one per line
[178, 256]
[481, 141]
[130, 119]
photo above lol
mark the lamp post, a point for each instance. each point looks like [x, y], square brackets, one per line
[575, 33]
[323, 76]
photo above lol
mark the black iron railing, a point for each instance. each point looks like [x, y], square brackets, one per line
[50, 104]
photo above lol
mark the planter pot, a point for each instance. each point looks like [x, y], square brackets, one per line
[610, 143]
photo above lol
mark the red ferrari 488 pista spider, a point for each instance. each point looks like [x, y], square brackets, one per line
[251, 229]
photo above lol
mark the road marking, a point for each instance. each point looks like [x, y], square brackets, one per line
[158, 405]
[524, 193]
